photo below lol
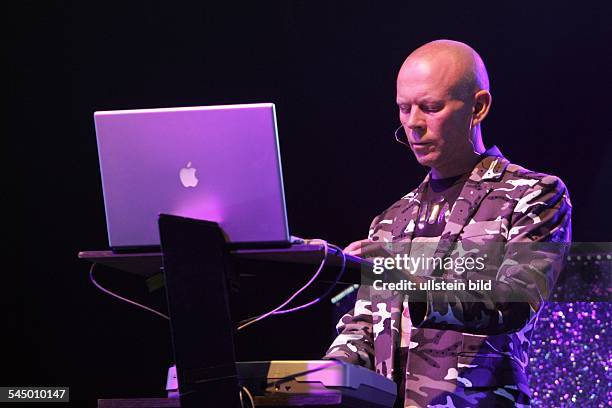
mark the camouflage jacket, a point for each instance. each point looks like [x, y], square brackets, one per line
[464, 345]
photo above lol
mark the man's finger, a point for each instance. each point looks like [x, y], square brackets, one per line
[354, 248]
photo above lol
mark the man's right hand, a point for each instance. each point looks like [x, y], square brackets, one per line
[366, 248]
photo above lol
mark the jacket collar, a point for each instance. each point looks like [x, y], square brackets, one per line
[490, 167]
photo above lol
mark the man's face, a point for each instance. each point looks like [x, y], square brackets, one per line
[436, 120]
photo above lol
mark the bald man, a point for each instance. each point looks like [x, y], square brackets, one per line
[458, 348]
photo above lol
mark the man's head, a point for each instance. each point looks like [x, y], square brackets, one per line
[443, 95]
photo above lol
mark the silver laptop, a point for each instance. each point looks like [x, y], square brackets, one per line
[217, 163]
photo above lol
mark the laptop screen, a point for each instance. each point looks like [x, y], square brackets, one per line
[216, 163]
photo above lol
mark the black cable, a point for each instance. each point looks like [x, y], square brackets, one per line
[327, 292]
[314, 301]
[249, 395]
[103, 289]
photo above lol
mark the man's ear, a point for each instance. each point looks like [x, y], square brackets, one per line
[482, 104]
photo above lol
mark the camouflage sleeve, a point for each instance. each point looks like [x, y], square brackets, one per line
[354, 343]
[537, 241]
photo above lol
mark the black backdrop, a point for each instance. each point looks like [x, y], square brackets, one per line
[330, 68]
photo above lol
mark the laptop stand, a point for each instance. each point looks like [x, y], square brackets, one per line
[195, 259]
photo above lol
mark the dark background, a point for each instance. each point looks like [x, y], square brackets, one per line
[330, 69]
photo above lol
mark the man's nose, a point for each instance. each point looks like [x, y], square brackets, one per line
[414, 119]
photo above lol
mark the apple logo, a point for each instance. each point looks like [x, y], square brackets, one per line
[188, 177]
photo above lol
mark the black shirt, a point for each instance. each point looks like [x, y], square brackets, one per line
[437, 202]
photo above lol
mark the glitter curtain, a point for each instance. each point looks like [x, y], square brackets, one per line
[570, 356]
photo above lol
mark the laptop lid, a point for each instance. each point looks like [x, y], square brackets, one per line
[216, 163]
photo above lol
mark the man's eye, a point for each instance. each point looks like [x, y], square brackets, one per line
[431, 108]
[404, 109]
